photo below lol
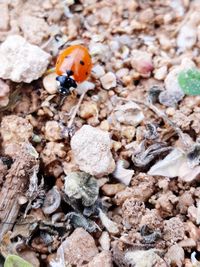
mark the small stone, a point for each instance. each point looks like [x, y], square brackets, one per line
[50, 84]
[141, 61]
[31, 61]
[173, 230]
[104, 125]
[160, 73]
[112, 189]
[15, 129]
[103, 259]
[78, 248]
[144, 258]
[22, 200]
[187, 243]
[146, 16]
[187, 36]
[104, 240]
[175, 255]
[88, 109]
[84, 87]
[105, 14]
[98, 71]
[52, 131]
[108, 81]
[132, 212]
[34, 29]
[129, 114]
[110, 226]
[91, 147]
[4, 18]
[4, 93]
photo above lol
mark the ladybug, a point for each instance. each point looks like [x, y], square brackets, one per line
[73, 66]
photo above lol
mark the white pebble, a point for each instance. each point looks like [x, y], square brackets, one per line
[98, 71]
[84, 87]
[104, 240]
[110, 226]
[50, 84]
[22, 61]
[92, 151]
[187, 37]
[108, 81]
[160, 73]
[141, 61]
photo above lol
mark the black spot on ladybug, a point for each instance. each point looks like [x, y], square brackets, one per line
[86, 73]
[82, 62]
[69, 72]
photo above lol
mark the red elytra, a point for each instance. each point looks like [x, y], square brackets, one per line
[75, 60]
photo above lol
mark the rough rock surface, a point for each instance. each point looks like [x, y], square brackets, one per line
[91, 148]
[79, 248]
[103, 259]
[15, 129]
[31, 61]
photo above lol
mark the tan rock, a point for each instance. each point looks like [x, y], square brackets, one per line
[88, 109]
[50, 84]
[78, 248]
[4, 18]
[108, 81]
[112, 189]
[91, 148]
[15, 129]
[53, 131]
[34, 29]
[103, 259]
[175, 255]
[104, 240]
[141, 61]
[4, 93]
[31, 60]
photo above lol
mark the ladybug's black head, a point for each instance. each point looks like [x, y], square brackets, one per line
[64, 84]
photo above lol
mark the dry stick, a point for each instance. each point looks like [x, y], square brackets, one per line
[76, 110]
[162, 115]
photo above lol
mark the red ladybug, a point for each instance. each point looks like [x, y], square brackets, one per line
[73, 66]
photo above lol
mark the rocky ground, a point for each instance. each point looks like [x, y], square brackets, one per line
[109, 176]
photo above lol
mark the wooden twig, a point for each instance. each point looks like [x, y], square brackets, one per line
[15, 185]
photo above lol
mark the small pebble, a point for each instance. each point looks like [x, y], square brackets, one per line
[52, 131]
[160, 73]
[103, 259]
[112, 189]
[31, 60]
[88, 109]
[108, 81]
[98, 71]
[141, 61]
[78, 248]
[104, 240]
[49, 83]
[92, 151]
[84, 87]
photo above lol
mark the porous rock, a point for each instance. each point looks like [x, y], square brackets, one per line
[31, 61]
[103, 259]
[91, 148]
[141, 61]
[78, 248]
